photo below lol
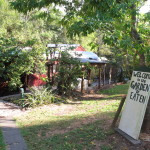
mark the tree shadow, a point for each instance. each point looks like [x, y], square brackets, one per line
[78, 132]
[49, 133]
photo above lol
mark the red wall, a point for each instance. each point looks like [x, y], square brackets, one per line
[35, 80]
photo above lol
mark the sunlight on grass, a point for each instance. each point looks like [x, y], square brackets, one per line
[37, 124]
[48, 116]
[118, 89]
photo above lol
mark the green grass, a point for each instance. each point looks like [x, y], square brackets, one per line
[81, 138]
[2, 145]
[76, 126]
[117, 90]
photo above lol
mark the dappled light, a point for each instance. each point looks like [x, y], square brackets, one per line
[94, 126]
[65, 70]
[87, 121]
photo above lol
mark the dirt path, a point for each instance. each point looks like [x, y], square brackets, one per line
[9, 109]
[11, 133]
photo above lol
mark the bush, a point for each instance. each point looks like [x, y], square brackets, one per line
[16, 61]
[37, 97]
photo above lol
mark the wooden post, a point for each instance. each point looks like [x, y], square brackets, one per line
[110, 71]
[52, 74]
[89, 76]
[48, 72]
[118, 112]
[82, 84]
[104, 75]
[26, 82]
[99, 79]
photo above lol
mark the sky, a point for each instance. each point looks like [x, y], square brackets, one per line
[146, 7]
[143, 9]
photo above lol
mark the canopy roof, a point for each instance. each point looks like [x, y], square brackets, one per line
[85, 56]
[78, 52]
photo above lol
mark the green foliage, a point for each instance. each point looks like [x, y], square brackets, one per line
[69, 70]
[17, 31]
[37, 97]
[119, 22]
[15, 61]
[106, 147]
[121, 26]
[82, 138]
[26, 6]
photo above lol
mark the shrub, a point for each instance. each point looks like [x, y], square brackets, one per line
[37, 97]
[15, 61]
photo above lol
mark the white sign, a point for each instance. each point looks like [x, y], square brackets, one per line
[136, 103]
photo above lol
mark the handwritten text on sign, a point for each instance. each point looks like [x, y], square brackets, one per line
[136, 103]
[139, 85]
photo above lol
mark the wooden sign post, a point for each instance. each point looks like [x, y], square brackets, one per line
[136, 103]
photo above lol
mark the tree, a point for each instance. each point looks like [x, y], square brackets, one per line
[119, 20]
[18, 31]
[14, 59]
[70, 69]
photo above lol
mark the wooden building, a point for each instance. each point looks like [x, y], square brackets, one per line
[76, 51]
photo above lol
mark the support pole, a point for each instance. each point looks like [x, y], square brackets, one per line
[48, 72]
[118, 111]
[110, 72]
[99, 79]
[89, 76]
[104, 75]
[82, 84]
[52, 74]
[26, 82]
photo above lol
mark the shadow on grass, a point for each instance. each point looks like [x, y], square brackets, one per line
[116, 97]
[88, 131]
[75, 133]
[2, 144]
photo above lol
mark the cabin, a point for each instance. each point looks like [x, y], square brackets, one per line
[76, 51]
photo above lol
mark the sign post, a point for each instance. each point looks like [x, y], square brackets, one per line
[136, 103]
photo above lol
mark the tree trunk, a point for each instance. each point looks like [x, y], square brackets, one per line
[142, 60]
[82, 84]
[138, 41]
[146, 122]
[104, 76]
[136, 36]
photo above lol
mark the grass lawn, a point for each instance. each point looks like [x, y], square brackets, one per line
[2, 145]
[116, 91]
[77, 125]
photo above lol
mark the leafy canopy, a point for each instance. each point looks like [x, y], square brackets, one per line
[17, 31]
